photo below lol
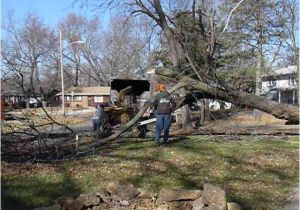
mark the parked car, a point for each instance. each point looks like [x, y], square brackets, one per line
[20, 105]
[35, 105]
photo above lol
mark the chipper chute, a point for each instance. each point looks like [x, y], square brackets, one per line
[127, 97]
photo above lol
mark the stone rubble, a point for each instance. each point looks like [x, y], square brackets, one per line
[127, 197]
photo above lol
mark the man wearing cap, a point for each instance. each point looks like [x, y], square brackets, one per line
[163, 107]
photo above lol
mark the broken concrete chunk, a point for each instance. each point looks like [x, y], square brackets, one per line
[179, 205]
[122, 192]
[211, 207]
[77, 205]
[90, 199]
[104, 195]
[214, 196]
[233, 206]
[168, 195]
[124, 203]
[163, 207]
[198, 204]
[127, 197]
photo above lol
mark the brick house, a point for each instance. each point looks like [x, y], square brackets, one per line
[86, 96]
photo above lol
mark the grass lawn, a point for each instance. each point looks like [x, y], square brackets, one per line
[256, 172]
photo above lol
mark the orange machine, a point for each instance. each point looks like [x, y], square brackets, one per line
[127, 102]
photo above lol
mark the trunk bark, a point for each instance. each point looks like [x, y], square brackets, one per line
[259, 54]
[202, 111]
[206, 110]
[185, 114]
[176, 55]
[281, 111]
[76, 75]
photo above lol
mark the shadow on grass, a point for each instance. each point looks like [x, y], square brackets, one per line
[23, 192]
[194, 163]
[150, 175]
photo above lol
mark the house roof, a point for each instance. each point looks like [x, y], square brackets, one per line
[79, 91]
[282, 71]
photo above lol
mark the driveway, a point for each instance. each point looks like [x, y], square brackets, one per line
[293, 204]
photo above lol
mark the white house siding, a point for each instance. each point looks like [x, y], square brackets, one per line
[280, 85]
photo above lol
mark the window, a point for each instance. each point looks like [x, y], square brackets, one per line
[77, 98]
[292, 81]
[98, 99]
[272, 82]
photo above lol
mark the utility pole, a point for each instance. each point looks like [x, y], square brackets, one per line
[62, 74]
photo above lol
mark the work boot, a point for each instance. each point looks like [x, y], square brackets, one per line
[156, 143]
[164, 143]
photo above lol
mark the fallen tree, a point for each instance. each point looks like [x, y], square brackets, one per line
[195, 69]
[278, 110]
[199, 79]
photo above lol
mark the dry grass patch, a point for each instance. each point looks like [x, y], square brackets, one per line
[244, 119]
[38, 119]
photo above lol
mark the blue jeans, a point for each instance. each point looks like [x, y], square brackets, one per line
[163, 122]
[96, 124]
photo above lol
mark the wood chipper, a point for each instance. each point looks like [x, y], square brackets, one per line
[127, 97]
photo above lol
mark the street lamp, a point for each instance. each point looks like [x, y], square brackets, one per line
[62, 68]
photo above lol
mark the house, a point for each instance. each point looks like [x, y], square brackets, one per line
[86, 96]
[280, 85]
[14, 98]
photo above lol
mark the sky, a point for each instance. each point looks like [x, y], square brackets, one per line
[51, 11]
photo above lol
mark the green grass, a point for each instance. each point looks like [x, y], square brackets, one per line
[257, 173]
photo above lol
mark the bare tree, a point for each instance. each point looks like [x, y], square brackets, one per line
[25, 51]
[74, 28]
[125, 47]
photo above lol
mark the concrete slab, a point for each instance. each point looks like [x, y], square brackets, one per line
[294, 203]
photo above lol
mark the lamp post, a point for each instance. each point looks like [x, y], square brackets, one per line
[72, 94]
[62, 69]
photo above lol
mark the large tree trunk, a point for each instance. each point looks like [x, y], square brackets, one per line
[259, 54]
[281, 111]
[176, 54]
[185, 113]
[206, 110]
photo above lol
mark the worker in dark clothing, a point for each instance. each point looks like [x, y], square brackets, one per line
[95, 118]
[163, 108]
[98, 117]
